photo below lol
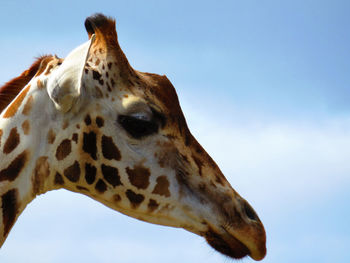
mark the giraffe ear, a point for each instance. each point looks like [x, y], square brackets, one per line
[64, 84]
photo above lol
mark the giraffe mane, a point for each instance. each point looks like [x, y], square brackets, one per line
[13, 87]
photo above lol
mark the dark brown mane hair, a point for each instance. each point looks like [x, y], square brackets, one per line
[11, 88]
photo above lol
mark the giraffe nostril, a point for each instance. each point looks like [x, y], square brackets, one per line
[249, 211]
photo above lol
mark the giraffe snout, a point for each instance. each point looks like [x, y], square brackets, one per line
[236, 230]
[244, 227]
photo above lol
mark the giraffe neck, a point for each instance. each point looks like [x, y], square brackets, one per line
[25, 158]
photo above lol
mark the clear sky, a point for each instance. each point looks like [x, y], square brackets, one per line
[265, 87]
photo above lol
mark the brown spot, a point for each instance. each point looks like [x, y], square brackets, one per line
[28, 106]
[63, 150]
[39, 84]
[101, 186]
[111, 175]
[162, 186]
[199, 149]
[65, 124]
[100, 122]
[188, 138]
[182, 179]
[97, 62]
[87, 120]
[139, 176]
[96, 75]
[90, 173]
[73, 172]
[109, 149]
[41, 173]
[51, 136]
[108, 87]
[58, 179]
[75, 137]
[199, 164]
[135, 199]
[89, 144]
[12, 141]
[9, 206]
[109, 65]
[11, 111]
[220, 179]
[152, 205]
[112, 82]
[13, 170]
[78, 126]
[117, 198]
[99, 93]
[26, 127]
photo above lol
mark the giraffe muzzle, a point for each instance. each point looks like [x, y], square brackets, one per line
[230, 243]
[228, 246]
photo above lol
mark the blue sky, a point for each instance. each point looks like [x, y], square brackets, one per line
[265, 88]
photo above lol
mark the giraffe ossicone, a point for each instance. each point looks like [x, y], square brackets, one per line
[92, 124]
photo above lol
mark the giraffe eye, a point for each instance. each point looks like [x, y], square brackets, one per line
[138, 126]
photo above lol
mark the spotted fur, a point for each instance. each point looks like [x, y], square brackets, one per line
[11, 172]
[9, 207]
[12, 141]
[123, 141]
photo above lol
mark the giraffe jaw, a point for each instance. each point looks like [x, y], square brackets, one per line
[230, 245]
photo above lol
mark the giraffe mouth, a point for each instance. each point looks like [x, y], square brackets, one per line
[226, 244]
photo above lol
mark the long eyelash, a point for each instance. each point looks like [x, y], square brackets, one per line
[138, 128]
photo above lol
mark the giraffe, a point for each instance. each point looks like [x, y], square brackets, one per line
[92, 124]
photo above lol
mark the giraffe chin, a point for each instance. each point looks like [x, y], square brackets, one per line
[228, 245]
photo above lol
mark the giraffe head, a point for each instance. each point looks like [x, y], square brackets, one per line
[123, 140]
